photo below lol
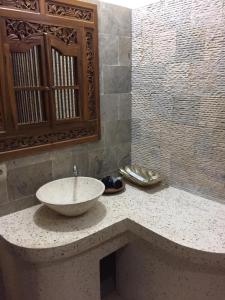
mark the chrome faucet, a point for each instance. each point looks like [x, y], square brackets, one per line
[75, 171]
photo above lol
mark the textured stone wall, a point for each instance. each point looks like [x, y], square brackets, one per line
[20, 178]
[178, 93]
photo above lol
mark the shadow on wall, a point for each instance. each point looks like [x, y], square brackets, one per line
[152, 189]
[52, 221]
[2, 295]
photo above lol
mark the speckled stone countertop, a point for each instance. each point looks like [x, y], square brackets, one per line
[170, 216]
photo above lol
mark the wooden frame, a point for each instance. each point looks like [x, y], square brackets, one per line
[62, 38]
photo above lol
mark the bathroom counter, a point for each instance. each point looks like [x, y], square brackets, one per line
[170, 218]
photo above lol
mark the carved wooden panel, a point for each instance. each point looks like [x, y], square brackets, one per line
[50, 76]
[20, 30]
[90, 74]
[75, 12]
[1, 119]
[32, 5]
[27, 141]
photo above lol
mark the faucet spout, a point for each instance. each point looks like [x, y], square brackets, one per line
[75, 171]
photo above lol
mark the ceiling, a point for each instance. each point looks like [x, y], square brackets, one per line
[131, 3]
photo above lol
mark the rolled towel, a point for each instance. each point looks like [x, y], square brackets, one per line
[112, 182]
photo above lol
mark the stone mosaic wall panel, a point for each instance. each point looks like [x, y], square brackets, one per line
[178, 92]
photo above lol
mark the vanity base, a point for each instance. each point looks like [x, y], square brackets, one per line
[72, 278]
[170, 245]
[146, 272]
[113, 296]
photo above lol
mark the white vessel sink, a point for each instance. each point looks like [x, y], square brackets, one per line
[71, 196]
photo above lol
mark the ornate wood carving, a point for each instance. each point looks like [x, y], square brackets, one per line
[19, 30]
[70, 11]
[90, 74]
[49, 92]
[22, 4]
[23, 142]
[1, 120]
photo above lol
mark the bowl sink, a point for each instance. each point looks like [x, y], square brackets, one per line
[71, 196]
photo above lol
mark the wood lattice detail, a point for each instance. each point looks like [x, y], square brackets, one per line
[32, 5]
[20, 30]
[27, 83]
[23, 142]
[66, 85]
[70, 11]
[90, 74]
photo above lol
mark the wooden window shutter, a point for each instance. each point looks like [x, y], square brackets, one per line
[49, 94]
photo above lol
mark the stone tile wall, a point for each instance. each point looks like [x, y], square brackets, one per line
[20, 178]
[178, 93]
